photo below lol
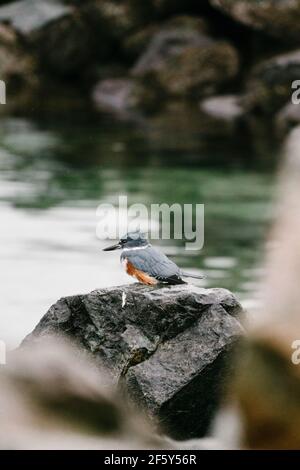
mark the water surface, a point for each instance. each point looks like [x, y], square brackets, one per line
[54, 174]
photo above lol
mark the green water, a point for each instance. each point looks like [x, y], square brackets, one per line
[54, 174]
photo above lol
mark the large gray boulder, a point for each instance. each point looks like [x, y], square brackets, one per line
[166, 347]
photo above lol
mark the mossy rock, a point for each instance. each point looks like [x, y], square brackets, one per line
[280, 18]
[199, 71]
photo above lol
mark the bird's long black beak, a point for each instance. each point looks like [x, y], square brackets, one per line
[113, 247]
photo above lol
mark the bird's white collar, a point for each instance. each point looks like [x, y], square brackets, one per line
[137, 248]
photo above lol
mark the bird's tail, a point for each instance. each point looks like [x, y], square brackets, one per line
[194, 276]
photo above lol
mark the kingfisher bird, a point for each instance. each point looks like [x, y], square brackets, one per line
[147, 264]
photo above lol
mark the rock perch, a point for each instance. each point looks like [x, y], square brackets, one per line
[167, 347]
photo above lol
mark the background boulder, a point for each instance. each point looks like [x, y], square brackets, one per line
[55, 33]
[17, 68]
[183, 59]
[278, 18]
[270, 83]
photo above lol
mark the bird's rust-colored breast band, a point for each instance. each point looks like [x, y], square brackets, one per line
[139, 275]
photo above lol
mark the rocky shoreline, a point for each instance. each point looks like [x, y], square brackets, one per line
[136, 58]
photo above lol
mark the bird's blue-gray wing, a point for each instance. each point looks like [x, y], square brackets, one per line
[154, 263]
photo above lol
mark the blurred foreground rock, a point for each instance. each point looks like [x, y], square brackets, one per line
[167, 348]
[267, 384]
[51, 397]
